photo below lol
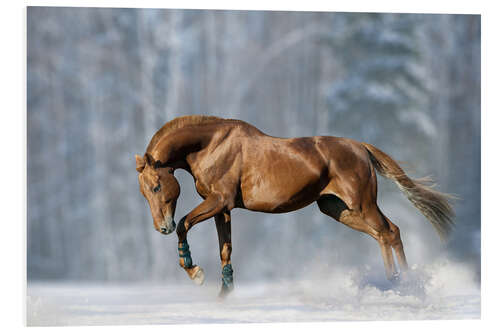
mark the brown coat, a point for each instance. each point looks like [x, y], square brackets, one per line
[236, 165]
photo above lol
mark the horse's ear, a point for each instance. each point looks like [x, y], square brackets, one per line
[149, 159]
[140, 163]
[152, 162]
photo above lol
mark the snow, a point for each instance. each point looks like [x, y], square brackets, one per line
[439, 291]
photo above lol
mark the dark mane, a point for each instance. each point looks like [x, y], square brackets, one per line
[180, 122]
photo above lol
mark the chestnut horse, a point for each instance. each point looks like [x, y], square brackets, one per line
[234, 165]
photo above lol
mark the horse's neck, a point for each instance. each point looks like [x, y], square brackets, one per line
[177, 145]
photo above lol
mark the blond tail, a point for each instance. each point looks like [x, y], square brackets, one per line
[434, 205]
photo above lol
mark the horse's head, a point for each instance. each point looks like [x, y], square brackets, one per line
[161, 189]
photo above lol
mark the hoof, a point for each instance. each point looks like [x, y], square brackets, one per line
[199, 276]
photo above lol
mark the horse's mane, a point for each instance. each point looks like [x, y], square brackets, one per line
[180, 122]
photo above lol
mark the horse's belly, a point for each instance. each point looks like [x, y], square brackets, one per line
[278, 206]
[280, 194]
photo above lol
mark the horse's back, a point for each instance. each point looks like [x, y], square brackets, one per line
[298, 171]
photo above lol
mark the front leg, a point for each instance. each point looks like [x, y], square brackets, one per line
[223, 224]
[208, 208]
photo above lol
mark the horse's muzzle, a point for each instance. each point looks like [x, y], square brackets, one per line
[169, 226]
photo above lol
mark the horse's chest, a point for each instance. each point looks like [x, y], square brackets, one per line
[216, 172]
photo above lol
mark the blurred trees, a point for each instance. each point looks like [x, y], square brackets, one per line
[379, 66]
[102, 81]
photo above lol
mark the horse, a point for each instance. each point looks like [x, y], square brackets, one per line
[235, 165]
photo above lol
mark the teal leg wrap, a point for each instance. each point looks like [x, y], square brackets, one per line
[227, 276]
[186, 254]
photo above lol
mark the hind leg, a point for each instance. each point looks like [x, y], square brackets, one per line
[390, 268]
[389, 238]
[371, 222]
[400, 254]
[397, 245]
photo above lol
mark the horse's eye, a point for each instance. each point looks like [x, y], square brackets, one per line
[157, 188]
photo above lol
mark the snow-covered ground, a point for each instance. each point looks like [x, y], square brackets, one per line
[440, 291]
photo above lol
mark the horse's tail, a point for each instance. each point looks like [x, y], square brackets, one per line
[434, 205]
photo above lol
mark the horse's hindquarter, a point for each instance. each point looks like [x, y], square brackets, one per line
[281, 175]
[352, 177]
